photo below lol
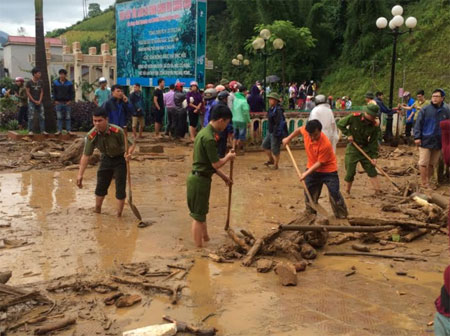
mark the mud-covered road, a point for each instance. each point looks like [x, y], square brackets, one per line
[63, 237]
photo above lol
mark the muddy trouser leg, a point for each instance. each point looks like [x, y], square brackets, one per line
[104, 176]
[314, 184]
[337, 202]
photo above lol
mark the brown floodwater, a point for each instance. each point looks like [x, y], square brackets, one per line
[46, 209]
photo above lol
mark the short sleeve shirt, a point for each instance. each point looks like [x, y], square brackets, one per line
[205, 150]
[110, 143]
[319, 151]
[418, 106]
[35, 89]
[102, 95]
[160, 97]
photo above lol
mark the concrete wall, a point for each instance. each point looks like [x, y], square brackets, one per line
[17, 60]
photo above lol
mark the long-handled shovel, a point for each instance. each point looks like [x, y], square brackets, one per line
[315, 206]
[130, 196]
[227, 224]
[381, 170]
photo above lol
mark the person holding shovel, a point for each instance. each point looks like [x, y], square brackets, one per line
[361, 128]
[206, 162]
[321, 167]
[110, 140]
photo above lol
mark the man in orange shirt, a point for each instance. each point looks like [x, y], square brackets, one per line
[321, 166]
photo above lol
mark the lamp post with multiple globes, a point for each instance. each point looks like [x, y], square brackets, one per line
[394, 24]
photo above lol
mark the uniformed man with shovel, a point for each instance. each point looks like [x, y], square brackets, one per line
[110, 140]
[362, 129]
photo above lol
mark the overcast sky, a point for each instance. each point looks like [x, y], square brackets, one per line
[57, 14]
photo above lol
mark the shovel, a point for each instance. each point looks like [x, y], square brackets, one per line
[313, 205]
[227, 224]
[130, 196]
[381, 170]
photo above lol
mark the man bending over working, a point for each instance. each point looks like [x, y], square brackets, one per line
[109, 139]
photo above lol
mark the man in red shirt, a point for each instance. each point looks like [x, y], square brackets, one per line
[321, 166]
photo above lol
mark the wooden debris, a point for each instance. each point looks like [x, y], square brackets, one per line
[367, 221]
[308, 252]
[267, 239]
[389, 256]
[188, 328]
[360, 247]
[414, 235]
[128, 300]
[239, 241]
[440, 200]
[174, 297]
[328, 228]
[110, 300]
[218, 259]
[287, 274]
[264, 265]
[55, 326]
[5, 276]
[300, 266]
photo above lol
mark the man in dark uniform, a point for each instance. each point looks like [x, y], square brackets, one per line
[110, 140]
[362, 128]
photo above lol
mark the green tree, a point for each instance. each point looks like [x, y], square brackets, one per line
[298, 41]
[41, 64]
[94, 10]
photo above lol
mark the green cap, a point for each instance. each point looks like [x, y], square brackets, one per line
[274, 95]
[369, 95]
[224, 81]
[372, 109]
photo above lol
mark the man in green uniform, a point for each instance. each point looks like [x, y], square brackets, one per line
[206, 162]
[361, 128]
[110, 140]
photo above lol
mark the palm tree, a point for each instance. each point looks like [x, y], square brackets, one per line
[41, 64]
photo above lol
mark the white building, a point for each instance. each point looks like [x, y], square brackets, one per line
[18, 51]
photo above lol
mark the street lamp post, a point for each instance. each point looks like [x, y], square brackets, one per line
[394, 24]
[260, 45]
[239, 61]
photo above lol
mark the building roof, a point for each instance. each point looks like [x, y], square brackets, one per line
[27, 40]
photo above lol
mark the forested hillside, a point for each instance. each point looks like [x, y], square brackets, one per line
[335, 42]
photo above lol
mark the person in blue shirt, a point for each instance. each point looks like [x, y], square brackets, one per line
[118, 107]
[277, 130]
[408, 102]
[138, 110]
[427, 135]
[63, 94]
[384, 109]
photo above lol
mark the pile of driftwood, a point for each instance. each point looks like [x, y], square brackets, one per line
[50, 306]
[404, 219]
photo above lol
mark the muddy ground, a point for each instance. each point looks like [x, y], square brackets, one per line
[55, 239]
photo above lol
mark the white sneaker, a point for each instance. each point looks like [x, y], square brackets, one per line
[45, 133]
[30, 133]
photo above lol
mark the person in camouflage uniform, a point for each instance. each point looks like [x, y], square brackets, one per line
[361, 128]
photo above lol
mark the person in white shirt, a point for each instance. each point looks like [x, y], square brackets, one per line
[348, 104]
[324, 114]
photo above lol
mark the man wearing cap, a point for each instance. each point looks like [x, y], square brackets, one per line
[21, 95]
[63, 94]
[361, 128]
[407, 104]
[206, 162]
[427, 134]
[222, 99]
[324, 114]
[277, 130]
[194, 100]
[103, 93]
[210, 101]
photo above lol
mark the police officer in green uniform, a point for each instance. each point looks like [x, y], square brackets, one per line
[110, 140]
[206, 162]
[361, 128]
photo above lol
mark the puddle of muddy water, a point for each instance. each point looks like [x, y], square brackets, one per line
[46, 209]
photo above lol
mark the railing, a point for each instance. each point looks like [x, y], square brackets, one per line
[259, 123]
